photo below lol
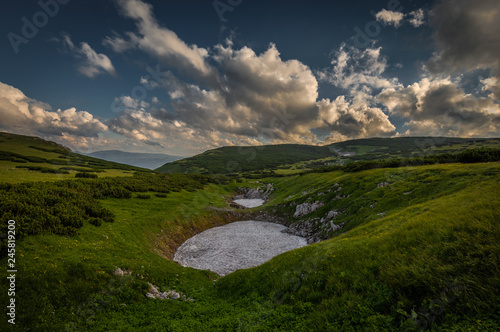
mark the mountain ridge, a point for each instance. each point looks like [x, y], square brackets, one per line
[139, 159]
[232, 160]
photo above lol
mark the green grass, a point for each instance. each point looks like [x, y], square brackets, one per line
[288, 159]
[18, 152]
[444, 251]
[431, 260]
[241, 159]
[58, 274]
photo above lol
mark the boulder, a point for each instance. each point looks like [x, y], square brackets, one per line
[333, 214]
[306, 208]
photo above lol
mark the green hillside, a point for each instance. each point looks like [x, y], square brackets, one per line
[240, 159]
[289, 158]
[408, 249]
[26, 158]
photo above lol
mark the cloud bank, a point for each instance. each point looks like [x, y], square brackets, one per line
[225, 95]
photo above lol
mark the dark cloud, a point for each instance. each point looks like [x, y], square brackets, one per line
[468, 37]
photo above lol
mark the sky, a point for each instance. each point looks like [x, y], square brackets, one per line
[183, 77]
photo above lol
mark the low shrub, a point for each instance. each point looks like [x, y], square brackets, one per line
[86, 175]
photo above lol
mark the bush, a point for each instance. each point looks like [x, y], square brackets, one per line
[161, 195]
[63, 207]
[86, 175]
[95, 221]
[44, 169]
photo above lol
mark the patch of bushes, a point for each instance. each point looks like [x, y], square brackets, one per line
[78, 169]
[161, 195]
[48, 208]
[63, 207]
[11, 156]
[44, 169]
[86, 175]
[479, 155]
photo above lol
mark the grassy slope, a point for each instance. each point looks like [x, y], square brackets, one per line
[289, 159]
[438, 243]
[439, 259]
[59, 278]
[49, 151]
[238, 159]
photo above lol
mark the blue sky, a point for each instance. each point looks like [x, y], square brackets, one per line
[183, 77]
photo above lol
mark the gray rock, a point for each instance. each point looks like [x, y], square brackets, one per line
[382, 184]
[154, 293]
[254, 193]
[118, 272]
[333, 214]
[306, 208]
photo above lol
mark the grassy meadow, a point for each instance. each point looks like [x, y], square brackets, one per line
[417, 249]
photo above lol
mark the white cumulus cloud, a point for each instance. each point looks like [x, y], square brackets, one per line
[159, 41]
[389, 17]
[92, 63]
[27, 116]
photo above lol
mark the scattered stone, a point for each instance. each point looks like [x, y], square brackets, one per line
[334, 227]
[306, 208]
[236, 205]
[321, 194]
[407, 193]
[373, 205]
[382, 214]
[313, 229]
[154, 293]
[382, 184]
[333, 214]
[254, 193]
[121, 273]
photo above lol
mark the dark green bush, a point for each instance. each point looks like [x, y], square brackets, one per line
[479, 155]
[95, 221]
[86, 175]
[63, 207]
[44, 169]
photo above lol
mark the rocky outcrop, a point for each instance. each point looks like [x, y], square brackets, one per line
[332, 214]
[316, 229]
[253, 193]
[306, 208]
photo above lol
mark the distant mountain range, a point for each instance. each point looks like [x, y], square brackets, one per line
[145, 160]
